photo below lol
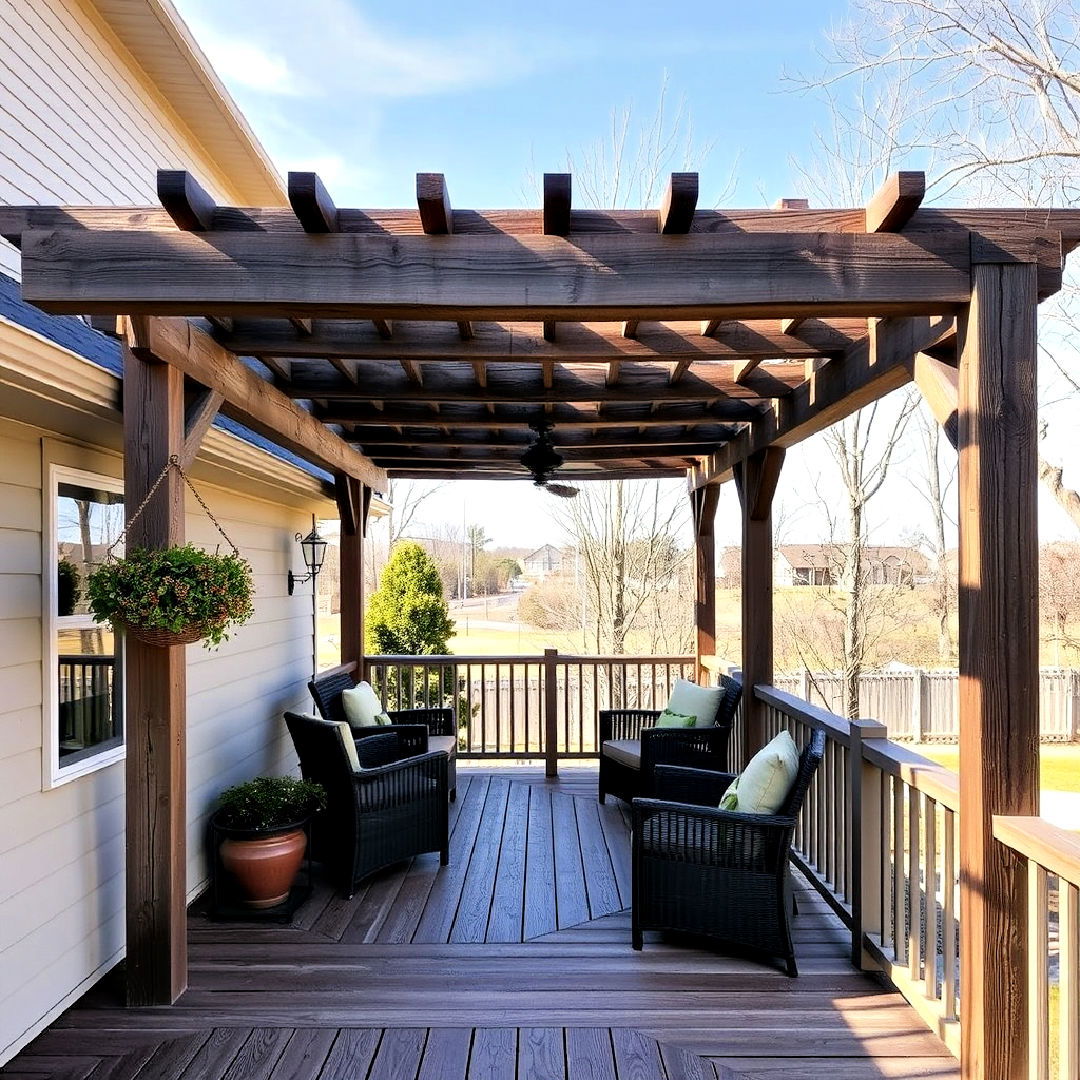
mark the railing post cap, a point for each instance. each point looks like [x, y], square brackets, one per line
[867, 727]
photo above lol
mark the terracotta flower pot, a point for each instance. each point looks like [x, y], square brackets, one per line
[266, 867]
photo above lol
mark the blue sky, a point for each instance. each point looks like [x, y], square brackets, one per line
[372, 93]
[493, 93]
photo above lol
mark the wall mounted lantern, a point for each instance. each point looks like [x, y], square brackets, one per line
[314, 548]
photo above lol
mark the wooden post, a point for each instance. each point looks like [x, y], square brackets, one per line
[551, 713]
[703, 502]
[352, 500]
[155, 708]
[756, 479]
[865, 784]
[999, 659]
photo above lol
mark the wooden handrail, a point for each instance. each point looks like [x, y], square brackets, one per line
[533, 658]
[820, 719]
[918, 772]
[1053, 848]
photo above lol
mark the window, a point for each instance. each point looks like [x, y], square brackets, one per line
[85, 688]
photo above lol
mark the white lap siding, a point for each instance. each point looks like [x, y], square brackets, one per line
[62, 850]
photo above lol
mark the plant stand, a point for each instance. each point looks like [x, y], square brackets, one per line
[225, 902]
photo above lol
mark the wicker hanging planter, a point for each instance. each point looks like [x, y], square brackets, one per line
[173, 596]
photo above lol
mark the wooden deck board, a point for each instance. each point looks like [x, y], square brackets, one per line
[512, 963]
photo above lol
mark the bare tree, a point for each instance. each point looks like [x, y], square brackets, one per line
[627, 536]
[992, 91]
[1059, 594]
[937, 474]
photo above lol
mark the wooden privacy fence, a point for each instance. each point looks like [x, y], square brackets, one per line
[543, 706]
[923, 705]
[878, 837]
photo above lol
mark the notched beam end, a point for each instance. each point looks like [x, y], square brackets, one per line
[895, 202]
[311, 203]
[433, 201]
[185, 200]
[557, 203]
[676, 213]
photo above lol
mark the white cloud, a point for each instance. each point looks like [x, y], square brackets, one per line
[333, 49]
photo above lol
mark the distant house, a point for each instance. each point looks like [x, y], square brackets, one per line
[542, 563]
[822, 564]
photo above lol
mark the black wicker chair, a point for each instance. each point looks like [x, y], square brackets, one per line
[717, 873]
[394, 808]
[630, 750]
[420, 730]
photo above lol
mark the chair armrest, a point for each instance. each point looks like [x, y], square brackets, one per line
[382, 748]
[403, 781]
[696, 787]
[624, 723]
[438, 721]
[711, 837]
[412, 737]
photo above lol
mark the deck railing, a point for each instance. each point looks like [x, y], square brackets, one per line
[878, 838]
[1052, 856]
[543, 706]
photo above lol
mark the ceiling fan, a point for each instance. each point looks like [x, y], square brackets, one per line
[543, 460]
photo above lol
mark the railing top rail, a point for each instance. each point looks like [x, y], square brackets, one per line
[1052, 847]
[918, 772]
[836, 727]
[537, 658]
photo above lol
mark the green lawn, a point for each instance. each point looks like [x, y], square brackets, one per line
[1059, 765]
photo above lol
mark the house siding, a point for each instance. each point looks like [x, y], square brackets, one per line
[62, 850]
[79, 123]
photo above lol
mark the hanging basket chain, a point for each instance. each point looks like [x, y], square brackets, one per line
[172, 463]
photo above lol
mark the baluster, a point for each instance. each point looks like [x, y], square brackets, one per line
[888, 939]
[483, 707]
[1068, 980]
[1038, 948]
[899, 889]
[930, 968]
[950, 928]
[914, 885]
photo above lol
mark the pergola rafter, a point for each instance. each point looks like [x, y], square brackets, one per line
[669, 341]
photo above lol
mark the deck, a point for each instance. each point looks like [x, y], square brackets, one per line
[513, 962]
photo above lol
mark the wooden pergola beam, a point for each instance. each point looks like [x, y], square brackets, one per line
[870, 370]
[311, 203]
[676, 214]
[643, 449]
[433, 200]
[675, 435]
[939, 385]
[533, 382]
[894, 204]
[476, 415]
[636, 471]
[16, 220]
[533, 278]
[184, 199]
[578, 342]
[247, 398]
[703, 503]
[558, 189]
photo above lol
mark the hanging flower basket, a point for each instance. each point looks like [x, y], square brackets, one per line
[173, 596]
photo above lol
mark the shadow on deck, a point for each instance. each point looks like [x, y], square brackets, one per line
[512, 963]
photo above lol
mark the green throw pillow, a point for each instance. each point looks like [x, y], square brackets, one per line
[673, 719]
[763, 786]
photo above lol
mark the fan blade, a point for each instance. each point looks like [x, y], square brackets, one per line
[563, 491]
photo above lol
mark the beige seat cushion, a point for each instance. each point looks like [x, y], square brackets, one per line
[446, 743]
[624, 751]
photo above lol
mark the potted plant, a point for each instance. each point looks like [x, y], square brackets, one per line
[173, 596]
[263, 822]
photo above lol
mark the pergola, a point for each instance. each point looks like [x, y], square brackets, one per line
[659, 343]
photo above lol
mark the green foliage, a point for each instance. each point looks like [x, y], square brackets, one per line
[67, 587]
[177, 589]
[270, 802]
[408, 615]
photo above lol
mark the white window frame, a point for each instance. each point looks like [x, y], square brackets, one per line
[52, 773]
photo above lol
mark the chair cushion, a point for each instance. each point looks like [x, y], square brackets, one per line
[763, 786]
[446, 743]
[624, 751]
[363, 707]
[346, 736]
[689, 699]
[673, 719]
